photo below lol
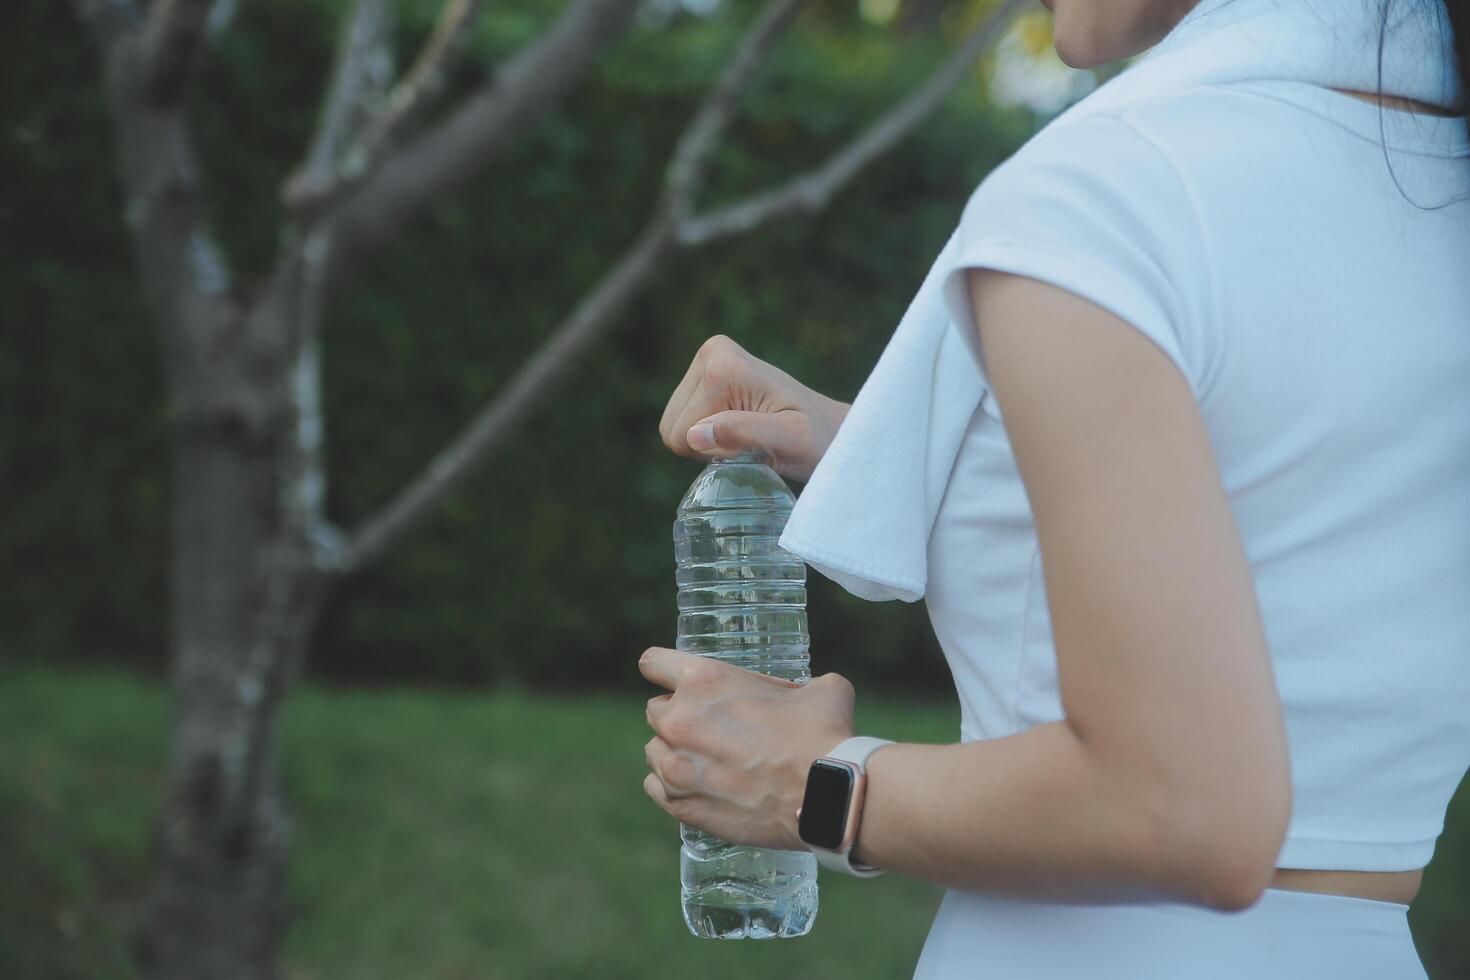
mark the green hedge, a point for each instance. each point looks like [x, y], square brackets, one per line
[555, 567]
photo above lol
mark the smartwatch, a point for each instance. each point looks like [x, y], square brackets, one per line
[832, 808]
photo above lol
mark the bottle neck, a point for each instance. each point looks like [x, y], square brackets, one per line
[756, 456]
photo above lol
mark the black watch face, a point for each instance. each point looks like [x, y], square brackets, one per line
[824, 809]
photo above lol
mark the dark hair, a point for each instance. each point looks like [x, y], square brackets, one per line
[1459, 18]
[1459, 12]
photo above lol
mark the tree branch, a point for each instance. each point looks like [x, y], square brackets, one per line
[303, 474]
[536, 380]
[169, 46]
[411, 96]
[811, 191]
[483, 127]
[294, 593]
[360, 75]
[184, 275]
[394, 116]
[696, 147]
[108, 20]
[527, 390]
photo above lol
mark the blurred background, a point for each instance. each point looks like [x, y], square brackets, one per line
[460, 715]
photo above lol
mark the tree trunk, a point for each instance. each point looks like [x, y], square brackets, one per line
[217, 908]
[216, 905]
[244, 602]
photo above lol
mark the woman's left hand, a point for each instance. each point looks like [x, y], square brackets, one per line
[733, 746]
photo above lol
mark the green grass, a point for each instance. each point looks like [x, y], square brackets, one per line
[453, 835]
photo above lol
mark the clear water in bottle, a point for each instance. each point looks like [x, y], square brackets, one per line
[742, 599]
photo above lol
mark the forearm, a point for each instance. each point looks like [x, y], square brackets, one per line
[1033, 815]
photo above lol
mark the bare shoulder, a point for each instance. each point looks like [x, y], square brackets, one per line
[1109, 441]
[1072, 371]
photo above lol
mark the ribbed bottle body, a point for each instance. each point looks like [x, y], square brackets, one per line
[742, 600]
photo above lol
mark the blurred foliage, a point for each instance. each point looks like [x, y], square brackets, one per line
[555, 567]
[430, 844]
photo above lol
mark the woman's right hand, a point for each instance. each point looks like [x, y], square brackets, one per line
[732, 402]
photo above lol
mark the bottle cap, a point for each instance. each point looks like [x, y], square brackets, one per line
[750, 456]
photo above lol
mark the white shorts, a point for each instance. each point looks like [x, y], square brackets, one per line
[1287, 935]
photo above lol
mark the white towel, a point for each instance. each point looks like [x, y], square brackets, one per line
[864, 518]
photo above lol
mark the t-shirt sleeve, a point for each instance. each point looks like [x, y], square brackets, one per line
[1095, 207]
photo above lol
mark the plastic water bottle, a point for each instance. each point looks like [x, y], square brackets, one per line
[742, 599]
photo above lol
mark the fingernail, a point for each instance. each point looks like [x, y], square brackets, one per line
[701, 436]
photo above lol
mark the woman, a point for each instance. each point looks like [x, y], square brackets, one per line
[1204, 585]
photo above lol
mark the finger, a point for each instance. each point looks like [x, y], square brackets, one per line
[707, 400]
[686, 809]
[657, 705]
[654, 787]
[672, 433]
[728, 379]
[728, 432]
[693, 398]
[680, 773]
[669, 668]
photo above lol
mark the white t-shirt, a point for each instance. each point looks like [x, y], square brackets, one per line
[1254, 232]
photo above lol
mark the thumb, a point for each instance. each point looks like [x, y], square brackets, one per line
[735, 432]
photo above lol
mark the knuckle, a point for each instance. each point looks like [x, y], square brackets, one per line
[837, 682]
[722, 368]
[716, 343]
[704, 671]
[676, 727]
[677, 769]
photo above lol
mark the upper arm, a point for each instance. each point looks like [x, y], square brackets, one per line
[1162, 658]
